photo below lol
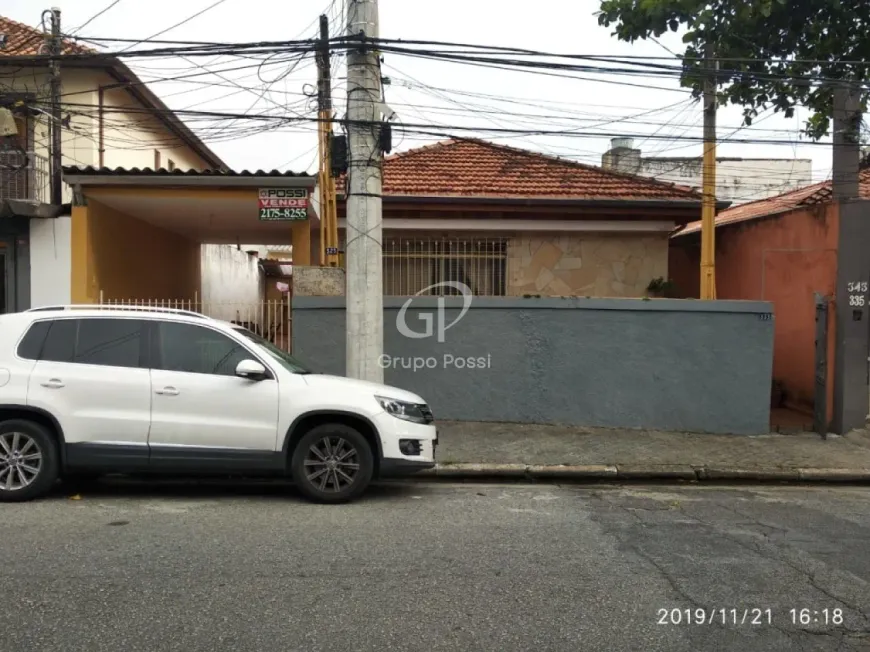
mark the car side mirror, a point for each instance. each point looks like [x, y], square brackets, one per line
[251, 369]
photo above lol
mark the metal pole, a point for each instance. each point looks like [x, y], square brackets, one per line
[364, 263]
[55, 49]
[708, 209]
[328, 203]
[820, 397]
[322, 60]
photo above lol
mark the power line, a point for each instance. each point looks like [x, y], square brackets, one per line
[428, 128]
[179, 24]
[507, 49]
[493, 56]
[94, 17]
[483, 56]
[177, 78]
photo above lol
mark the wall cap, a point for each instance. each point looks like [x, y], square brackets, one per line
[551, 303]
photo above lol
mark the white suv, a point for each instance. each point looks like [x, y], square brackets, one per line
[86, 391]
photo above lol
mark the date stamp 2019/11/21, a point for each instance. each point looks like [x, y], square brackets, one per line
[748, 616]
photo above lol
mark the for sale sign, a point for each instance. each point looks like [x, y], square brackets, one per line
[283, 204]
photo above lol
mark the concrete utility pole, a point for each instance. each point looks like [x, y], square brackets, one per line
[328, 207]
[55, 46]
[364, 264]
[708, 208]
[851, 403]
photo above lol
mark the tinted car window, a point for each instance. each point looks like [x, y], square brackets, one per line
[194, 349]
[109, 342]
[106, 342]
[60, 344]
[31, 344]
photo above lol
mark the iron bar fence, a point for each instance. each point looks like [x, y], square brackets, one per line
[24, 176]
[269, 318]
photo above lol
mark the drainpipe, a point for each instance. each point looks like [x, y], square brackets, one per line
[100, 112]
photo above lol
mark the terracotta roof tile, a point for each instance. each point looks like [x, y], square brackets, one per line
[26, 41]
[477, 168]
[817, 193]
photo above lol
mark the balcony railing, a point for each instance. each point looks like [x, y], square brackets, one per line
[25, 178]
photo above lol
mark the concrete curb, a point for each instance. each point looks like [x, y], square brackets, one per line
[656, 472]
[566, 472]
[640, 473]
[758, 475]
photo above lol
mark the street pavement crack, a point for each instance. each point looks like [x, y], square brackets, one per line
[842, 634]
[810, 575]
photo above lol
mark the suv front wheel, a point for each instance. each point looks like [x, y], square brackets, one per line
[28, 460]
[332, 463]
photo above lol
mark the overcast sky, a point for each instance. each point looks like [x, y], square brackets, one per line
[567, 26]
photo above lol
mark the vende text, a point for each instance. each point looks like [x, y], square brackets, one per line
[283, 203]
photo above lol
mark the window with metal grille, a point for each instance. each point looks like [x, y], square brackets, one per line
[426, 265]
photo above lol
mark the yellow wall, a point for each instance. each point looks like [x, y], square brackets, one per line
[127, 258]
[131, 137]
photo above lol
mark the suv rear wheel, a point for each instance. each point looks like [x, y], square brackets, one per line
[332, 463]
[28, 460]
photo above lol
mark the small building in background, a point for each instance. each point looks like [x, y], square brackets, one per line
[782, 250]
[738, 180]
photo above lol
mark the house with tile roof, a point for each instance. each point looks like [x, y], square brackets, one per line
[511, 222]
[110, 118]
[784, 250]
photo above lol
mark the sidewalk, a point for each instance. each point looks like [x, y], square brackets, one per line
[469, 450]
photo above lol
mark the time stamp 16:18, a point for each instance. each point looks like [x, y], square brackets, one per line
[747, 616]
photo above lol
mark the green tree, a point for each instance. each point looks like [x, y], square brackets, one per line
[772, 53]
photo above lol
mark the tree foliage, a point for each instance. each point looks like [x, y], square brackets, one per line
[772, 53]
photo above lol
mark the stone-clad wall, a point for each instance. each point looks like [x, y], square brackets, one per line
[585, 264]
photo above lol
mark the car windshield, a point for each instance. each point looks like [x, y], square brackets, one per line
[285, 359]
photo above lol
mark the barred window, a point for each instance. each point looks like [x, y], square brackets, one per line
[425, 265]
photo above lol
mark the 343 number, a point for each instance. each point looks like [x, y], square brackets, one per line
[857, 293]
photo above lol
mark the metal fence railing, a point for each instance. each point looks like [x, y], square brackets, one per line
[269, 318]
[24, 176]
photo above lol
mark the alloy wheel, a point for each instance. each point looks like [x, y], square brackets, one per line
[331, 464]
[20, 461]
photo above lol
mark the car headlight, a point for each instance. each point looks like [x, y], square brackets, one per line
[403, 410]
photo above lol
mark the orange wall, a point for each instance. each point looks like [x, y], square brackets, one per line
[784, 260]
[136, 260]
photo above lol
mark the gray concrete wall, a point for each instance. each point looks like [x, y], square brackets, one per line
[628, 363]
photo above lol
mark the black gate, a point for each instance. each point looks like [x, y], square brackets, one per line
[820, 400]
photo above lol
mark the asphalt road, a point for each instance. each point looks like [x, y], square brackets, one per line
[437, 567]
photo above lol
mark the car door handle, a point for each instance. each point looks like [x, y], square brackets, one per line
[168, 391]
[53, 383]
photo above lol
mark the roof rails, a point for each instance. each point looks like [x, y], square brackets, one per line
[106, 306]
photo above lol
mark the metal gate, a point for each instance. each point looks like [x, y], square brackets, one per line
[270, 319]
[820, 400]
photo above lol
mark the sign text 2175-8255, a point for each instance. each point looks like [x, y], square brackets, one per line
[289, 204]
